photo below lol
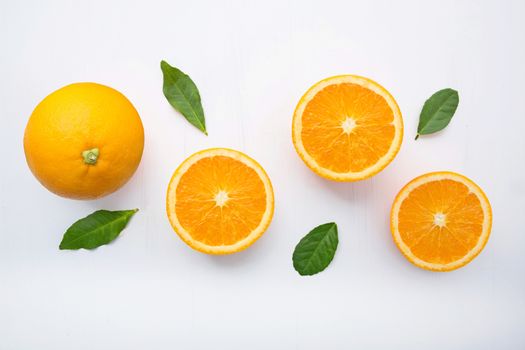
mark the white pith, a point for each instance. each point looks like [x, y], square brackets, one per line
[440, 219]
[348, 125]
[221, 198]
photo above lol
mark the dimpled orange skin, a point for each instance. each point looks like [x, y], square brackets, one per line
[77, 118]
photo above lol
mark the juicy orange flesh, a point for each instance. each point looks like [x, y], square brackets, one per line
[462, 227]
[201, 215]
[323, 135]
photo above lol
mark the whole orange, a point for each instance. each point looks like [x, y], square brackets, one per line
[84, 141]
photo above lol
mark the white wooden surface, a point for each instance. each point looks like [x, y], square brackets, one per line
[252, 60]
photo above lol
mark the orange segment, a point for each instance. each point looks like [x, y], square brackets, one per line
[441, 221]
[220, 201]
[347, 128]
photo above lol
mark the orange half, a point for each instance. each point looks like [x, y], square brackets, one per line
[347, 128]
[220, 201]
[441, 221]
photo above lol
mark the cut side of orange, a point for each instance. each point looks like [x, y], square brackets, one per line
[441, 221]
[347, 128]
[220, 201]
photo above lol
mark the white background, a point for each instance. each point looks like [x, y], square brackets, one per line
[252, 61]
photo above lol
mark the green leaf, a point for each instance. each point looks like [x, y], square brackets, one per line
[316, 250]
[437, 111]
[182, 93]
[96, 229]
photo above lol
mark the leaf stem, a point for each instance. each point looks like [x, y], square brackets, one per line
[90, 156]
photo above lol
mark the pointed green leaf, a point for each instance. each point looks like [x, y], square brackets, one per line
[316, 250]
[437, 111]
[182, 93]
[96, 229]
